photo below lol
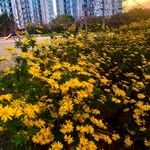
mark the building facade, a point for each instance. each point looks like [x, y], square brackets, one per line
[99, 7]
[43, 11]
[36, 12]
[47, 11]
[22, 12]
[59, 7]
[5, 6]
[70, 7]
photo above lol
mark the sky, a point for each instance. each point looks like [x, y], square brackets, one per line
[134, 3]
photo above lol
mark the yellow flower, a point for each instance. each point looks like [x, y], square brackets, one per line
[6, 113]
[18, 112]
[53, 83]
[147, 143]
[67, 128]
[85, 129]
[35, 71]
[96, 137]
[16, 103]
[56, 146]
[106, 138]
[3, 59]
[84, 141]
[141, 96]
[118, 91]
[29, 56]
[91, 80]
[81, 94]
[68, 139]
[57, 66]
[142, 129]
[138, 85]
[28, 122]
[31, 110]
[7, 97]
[8, 71]
[128, 142]
[66, 65]
[25, 41]
[104, 80]
[11, 49]
[97, 122]
[85, 144]
[115, 136]
[43, 137]
[56, 75]
[39, 123]
[147, 77]
[66, 106]
[115, 100]
[92, 146]
[73, 83]
[95, 111]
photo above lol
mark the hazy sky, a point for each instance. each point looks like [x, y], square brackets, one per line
[132, 3]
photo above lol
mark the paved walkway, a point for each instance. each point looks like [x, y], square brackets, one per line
[3, 52]
[10, 42]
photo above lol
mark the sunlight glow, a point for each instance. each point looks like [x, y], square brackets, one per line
[134, 3]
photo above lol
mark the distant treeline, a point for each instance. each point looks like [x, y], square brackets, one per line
[64, 22]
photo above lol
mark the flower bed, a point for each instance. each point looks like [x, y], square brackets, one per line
[85, 92]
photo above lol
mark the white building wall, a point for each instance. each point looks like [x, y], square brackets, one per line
[48, 10]
[61, 4]
[44, 11]
[31, 11]
[54, 9]
[17, 12]
[59, 7]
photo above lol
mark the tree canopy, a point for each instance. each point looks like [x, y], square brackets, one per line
[63, 19]
[6, 24]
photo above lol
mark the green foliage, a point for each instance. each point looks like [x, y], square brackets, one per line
[93, 88]
[126, 18]
[26, 43]
[38, 29]
[63, 19]
[135, 15]
[61, 23]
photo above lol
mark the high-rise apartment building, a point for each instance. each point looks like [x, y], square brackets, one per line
[36, 12]
[22, 12]
[59, 7]
[70, 7]
[47, 11]
[43, 11]
[81, 8]
[5, 6]
[99, 7]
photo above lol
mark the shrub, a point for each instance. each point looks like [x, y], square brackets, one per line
[7, 24]
[126, 18]
[61, 23]
[38, 29]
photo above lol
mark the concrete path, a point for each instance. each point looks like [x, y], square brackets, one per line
[3, 52]
[10, 42]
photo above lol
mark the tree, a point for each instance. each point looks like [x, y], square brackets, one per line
[6, 24]
[134, 15]
[63, 19]
[62, 22]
